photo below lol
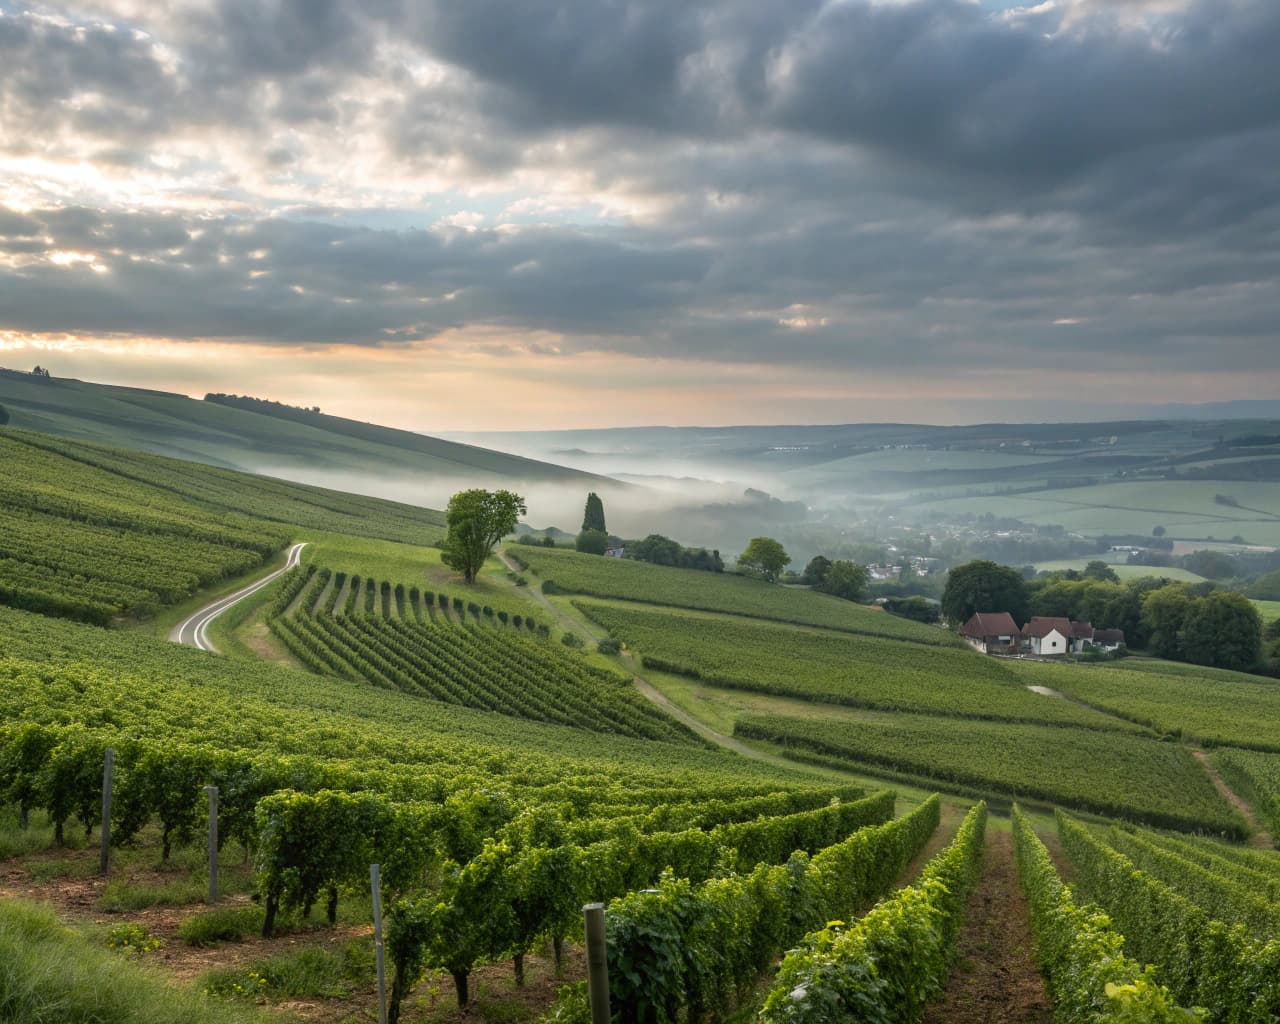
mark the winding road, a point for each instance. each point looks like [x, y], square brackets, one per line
[191, 631]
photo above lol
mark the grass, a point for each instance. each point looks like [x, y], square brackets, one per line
[222, 924]
[1186, 508]
[49, 974]
[1269, 610]
[311, 972]
[120, 897]
[1125, 572]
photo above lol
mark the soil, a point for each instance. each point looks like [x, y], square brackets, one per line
[995, 977]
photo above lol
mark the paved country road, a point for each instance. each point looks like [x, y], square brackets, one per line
[191, 631]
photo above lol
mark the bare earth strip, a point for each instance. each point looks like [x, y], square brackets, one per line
[995, 977]
[1261, 837]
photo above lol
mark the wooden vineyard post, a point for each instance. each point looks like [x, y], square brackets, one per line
[108, 763]
[597, 963]
[212, 793]
[379, 948]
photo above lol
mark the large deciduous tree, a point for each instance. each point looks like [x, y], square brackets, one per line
[1223, 630]
[1163, 613]
[845, 579]
[984, 586]
[477, 520]
[764, 556]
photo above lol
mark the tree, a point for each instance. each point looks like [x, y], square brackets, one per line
[1159, 531]
[1223, 630]
[592, 542]
[1100, 571]
[765, 556]
[4, 415]
[846, 579]
[815, 573]
[1163, 612]
[477, 520]
[984, 586]
[593, 514]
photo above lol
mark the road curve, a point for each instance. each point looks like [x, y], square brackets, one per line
[191, 631]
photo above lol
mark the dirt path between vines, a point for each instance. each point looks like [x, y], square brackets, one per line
[1261, 837]
[995, 977]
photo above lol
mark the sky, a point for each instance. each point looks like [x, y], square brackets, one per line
[539, 214]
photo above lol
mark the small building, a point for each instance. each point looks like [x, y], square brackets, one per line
[1108, 639]
[615, 552]
[1047, 635]
[992, 633]
[1081, 635]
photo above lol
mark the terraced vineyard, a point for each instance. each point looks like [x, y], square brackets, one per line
[389, 637]
[574, 573]
[831, 667]
[1105, 772]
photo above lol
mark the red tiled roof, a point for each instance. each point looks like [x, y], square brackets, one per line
[1081, 630]
[1108, 636]
[985, 624]
[1041, 626]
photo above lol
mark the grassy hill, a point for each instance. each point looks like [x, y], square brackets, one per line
[266, 437]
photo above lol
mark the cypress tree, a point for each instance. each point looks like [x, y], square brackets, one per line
[593, 514]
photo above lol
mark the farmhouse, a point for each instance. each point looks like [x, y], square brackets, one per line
[1108, 639]
[1047, 635]
[992, 633]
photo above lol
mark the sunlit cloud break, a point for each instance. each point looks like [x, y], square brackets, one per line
[756, 196]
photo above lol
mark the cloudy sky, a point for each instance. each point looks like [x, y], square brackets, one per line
[559, 213]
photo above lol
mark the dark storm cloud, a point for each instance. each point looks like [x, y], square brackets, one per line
[843, 184]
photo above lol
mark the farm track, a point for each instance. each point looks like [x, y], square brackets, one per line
[193, 630]
[1261, 838]
[995, 977]
[652, 694]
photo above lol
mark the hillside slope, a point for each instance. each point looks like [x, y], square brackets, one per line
[240, 438]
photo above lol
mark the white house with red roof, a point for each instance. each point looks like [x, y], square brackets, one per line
[992, 633]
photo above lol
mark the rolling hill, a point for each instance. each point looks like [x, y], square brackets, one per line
[266, 437]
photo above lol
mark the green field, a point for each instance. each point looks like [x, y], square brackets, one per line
[1125, 572]
[594, 576]
[1269, 610]
[1186, 508]
[871, 672]
[1105, 772]
[1203, 705]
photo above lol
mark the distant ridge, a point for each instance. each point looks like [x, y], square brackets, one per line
[252, 440]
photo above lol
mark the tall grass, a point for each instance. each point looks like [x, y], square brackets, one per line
[51, 975]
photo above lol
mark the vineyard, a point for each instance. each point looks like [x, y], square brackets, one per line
[85, 543]
[456, 652]
[861, 671]
[1257, 776]
[1230, 709]
[229, 491]
[1104, 772]
[1204, 923]
[489, 838]
[573, 573]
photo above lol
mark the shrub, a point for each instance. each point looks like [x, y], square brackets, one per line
[572, 640]
[608, 646]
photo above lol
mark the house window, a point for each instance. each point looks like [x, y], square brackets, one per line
[1053, 643]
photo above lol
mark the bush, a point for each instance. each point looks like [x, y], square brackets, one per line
[572, 640]
[608, 646]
